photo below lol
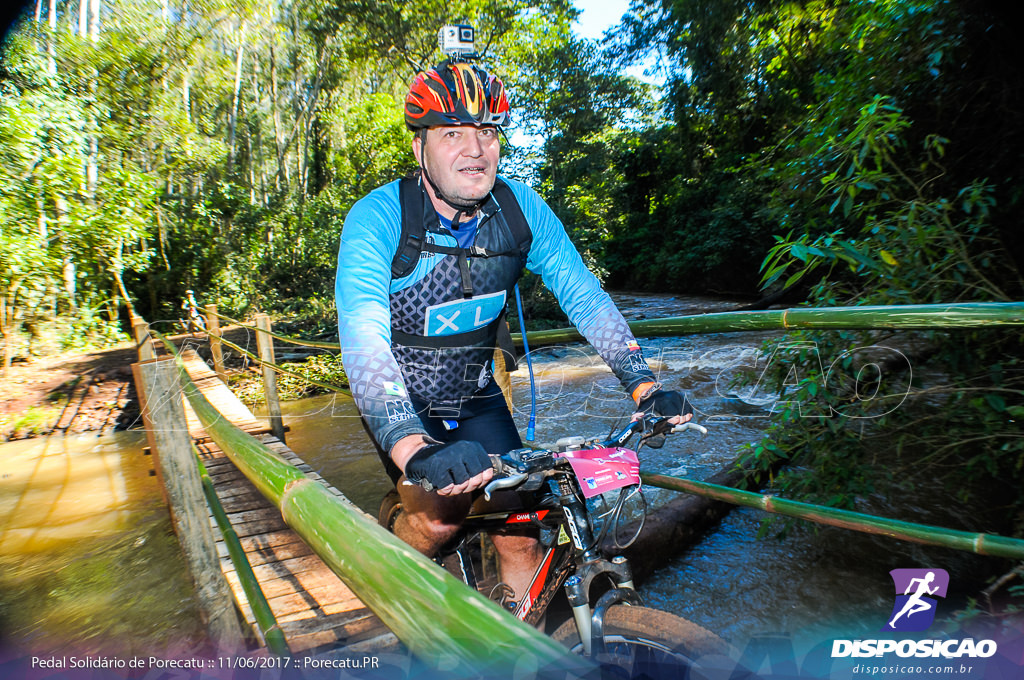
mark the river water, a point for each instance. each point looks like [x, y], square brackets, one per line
[107, 572]
[89, 563]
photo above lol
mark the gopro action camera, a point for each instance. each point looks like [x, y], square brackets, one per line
[456, 42]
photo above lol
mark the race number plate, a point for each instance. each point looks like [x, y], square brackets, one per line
[602, 470]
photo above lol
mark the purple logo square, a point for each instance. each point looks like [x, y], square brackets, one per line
[916, 592]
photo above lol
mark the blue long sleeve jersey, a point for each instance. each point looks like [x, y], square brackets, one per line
[430, 303]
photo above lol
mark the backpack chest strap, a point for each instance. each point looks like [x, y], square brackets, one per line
[463, 254]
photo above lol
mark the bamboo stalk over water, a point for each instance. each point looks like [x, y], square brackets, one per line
[978, 543]
[908, 317]
[961, 315]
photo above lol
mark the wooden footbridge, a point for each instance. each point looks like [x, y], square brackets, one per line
[311, 605]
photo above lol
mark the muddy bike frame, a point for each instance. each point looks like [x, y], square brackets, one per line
[573, 556]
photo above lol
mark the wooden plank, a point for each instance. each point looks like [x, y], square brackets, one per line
[310, 582]
[357, 625]
[307, 599]
[264, 514]
[241, 503]
[293, 567]
[277, 552]
[250, 529]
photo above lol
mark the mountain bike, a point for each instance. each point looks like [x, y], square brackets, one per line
[195, 324]
[580, 490]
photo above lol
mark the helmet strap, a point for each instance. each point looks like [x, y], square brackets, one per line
[467, 209]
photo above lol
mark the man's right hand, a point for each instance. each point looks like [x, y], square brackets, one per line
[458, 467]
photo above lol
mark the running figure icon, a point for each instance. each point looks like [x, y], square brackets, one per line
[916, 603]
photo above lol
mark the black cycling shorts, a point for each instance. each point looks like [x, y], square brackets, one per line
[484, 418]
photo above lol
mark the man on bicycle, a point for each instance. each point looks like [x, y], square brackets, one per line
[193, 320]
[425, 270]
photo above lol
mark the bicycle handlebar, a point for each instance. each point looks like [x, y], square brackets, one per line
[512, 477]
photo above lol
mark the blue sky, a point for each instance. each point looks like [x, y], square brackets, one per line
[598, 15]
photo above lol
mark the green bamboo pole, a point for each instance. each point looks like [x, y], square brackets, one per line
[960, 315]
[265, 619]
[981, 544]
[443, 622]
[907, 317]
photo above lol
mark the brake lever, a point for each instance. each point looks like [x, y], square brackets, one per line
[504, 483]
[655, 437]
[423, 484]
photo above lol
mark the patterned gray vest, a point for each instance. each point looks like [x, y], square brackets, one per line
[446, 323]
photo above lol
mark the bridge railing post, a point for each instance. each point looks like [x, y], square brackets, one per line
[265, 345]
[143, 340]
[216, 346]
[164, 413]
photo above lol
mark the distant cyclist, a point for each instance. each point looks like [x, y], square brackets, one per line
[426, 268]
[193, 321]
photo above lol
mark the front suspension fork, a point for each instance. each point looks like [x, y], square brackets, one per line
[590, 621]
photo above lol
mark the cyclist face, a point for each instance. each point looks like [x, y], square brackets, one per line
[461, 160]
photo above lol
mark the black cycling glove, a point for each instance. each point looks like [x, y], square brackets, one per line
[446, 464]
[666, 403]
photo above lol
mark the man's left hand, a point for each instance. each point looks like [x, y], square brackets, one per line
[666, 403]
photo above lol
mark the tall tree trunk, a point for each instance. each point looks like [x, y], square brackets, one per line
[116, 270]
[41, 227]
[234, 100]
[301, 150]
[281, 179]
[83, 17]
[51, 39]
[68, 273]
[251, 165]
[93, 148]
[93, 163]
[257, 161]
[94, 20]
[8, 328]
[161, 237]
[186, 93]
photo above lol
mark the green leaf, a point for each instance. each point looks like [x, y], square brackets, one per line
[996, 402]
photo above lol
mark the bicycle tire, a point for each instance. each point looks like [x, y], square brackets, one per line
[390, 507]
[641, 642]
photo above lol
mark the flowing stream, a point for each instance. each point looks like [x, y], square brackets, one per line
[89, 563]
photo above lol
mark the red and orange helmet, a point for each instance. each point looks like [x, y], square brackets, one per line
[456, 93]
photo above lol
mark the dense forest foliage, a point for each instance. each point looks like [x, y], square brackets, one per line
[838, 152]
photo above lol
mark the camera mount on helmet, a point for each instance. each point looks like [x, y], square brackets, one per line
[456, 42]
